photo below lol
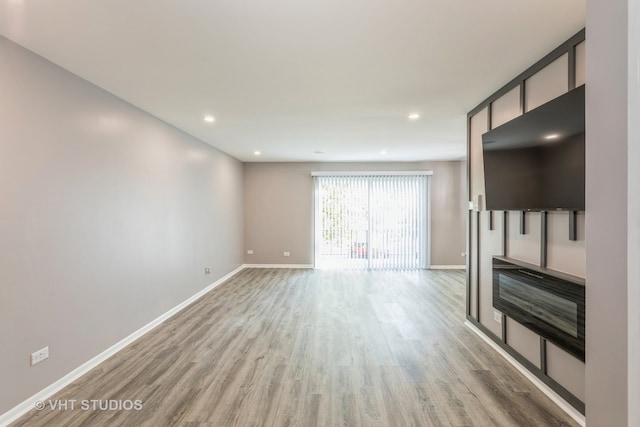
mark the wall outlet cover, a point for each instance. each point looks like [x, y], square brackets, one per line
[497, 316]
[39, 356]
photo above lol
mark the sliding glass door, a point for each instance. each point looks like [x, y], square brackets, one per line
[371, 221]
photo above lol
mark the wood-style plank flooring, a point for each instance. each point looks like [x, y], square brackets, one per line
[278, 347]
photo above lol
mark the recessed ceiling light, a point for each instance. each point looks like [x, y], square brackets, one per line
[257, 153]
[318, 152]
[552, 136]
[414, 116]
[383, 152]
[209, 119]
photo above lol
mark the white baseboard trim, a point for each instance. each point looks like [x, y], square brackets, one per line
[555, 397]
[278, 266]
[447, 267]
[24, 407]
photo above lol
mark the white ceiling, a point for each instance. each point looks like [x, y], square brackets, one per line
[291, 77]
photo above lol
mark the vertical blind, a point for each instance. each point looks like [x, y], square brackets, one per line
[371, 221]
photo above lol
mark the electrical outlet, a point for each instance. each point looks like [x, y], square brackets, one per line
[249, 251]
[39, 356]
[497, 316]
[207, 270]
[287, 254]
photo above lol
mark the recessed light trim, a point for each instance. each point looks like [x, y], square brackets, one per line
[383, 152]
[209, 118]
[257, 153]
[552, 136]
[414, 116]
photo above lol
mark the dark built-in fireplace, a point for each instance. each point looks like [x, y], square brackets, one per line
[548, 302]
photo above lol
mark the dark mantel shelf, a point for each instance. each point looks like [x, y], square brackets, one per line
[549, 272]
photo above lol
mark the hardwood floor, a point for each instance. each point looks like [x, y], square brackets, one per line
[274, 347]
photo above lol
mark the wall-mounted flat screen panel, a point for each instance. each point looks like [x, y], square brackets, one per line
[536, 161]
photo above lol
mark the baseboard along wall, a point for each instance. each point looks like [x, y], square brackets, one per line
[24, 407]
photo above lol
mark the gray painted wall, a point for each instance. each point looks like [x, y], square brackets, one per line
[606, 204]
[108, 218]
[634, 212]
[278, 201]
